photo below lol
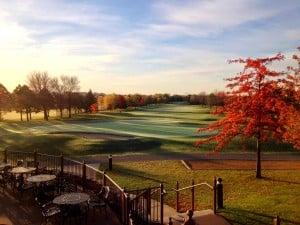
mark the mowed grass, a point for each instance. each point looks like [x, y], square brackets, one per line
[247, 200]
[160, 129]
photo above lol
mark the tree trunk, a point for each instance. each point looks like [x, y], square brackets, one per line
[45, 113]
[258, 157]
[69, 109]
[27, 116]
[61, 112]
[30, 114]
[21, 115]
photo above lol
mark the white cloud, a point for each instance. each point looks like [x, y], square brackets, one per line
[206, 17]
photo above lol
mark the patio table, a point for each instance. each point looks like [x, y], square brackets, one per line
[22, 170]
[41, 178]
[73, 198]
[3, 165]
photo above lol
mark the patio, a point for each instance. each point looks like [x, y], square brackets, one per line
[45, 189]
[15, 211]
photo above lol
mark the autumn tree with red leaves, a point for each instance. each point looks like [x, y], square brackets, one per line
[256, 106]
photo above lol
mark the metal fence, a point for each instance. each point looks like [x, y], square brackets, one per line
[146, 205]
[82, 175]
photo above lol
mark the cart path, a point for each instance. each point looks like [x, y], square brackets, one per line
[95, 160]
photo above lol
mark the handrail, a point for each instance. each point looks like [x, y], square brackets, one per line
[43, 154]
[72, 160]
[153, 187]
[96, 170]
[192, 186]
[113, 182]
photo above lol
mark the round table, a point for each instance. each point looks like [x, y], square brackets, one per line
[3, 165]
[22, 170]
[41, 178]
[71, 199]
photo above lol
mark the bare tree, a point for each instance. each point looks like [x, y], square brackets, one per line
[58, 90]
[4, 101]
[23, 99]
[39, 82]
[71, 85]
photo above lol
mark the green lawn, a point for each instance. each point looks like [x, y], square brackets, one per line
[160, 129]
[247, 200]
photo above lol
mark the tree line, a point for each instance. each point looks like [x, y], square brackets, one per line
[116, 101]
[43, 93]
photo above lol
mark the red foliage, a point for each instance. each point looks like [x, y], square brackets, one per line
[261, 103]
[142, 101]
[122, 102]
[94, 107]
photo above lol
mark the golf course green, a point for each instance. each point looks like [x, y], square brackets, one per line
[153, 129]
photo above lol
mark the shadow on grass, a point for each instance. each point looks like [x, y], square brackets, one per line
[123, 146]
[245, 217]
[42, 143]
[280, 180]
[123, 171]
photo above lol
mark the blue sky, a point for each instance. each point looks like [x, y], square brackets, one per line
[126, 46]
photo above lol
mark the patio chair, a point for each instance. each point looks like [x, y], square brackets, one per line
[25, 187]
[67, 187]
[2, 183]
[100, 200]
[20, 163]
[8, 177]
[49, 211]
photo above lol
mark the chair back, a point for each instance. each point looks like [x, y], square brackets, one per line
[20, 163]
[100, 193]
[7, 169]
[106, 192]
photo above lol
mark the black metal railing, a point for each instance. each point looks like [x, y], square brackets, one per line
[83, 176]
[146, 205]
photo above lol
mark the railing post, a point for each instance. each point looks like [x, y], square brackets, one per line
[161, 204]
[83, 174]
[148, 197]
[125, 205]
[35, 160]
[124, 211]
[219, 193]
[110, 162]
[104, 178]
[61, 164]
[5, 156]
[215, 196]
[276, 220]
[177, 196]
[193, 195]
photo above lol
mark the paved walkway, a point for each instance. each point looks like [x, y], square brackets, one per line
[203, 217]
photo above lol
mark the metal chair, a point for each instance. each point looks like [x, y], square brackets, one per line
[101, 201]
[49, 211]
[20, 163]
[2, 182]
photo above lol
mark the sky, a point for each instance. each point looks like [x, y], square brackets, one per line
[142, 46]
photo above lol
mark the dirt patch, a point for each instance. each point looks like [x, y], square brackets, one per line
[242, 165]
[102, 136]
